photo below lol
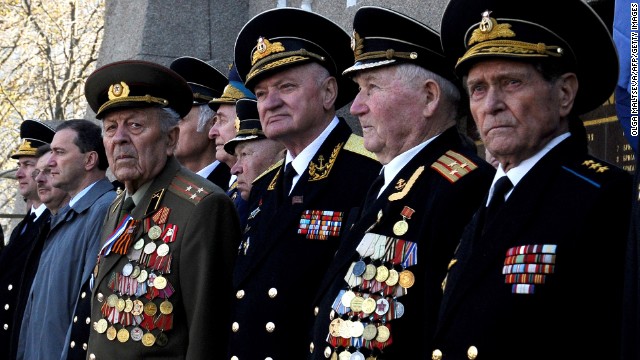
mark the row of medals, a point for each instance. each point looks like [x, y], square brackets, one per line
[364, 305]
[137, 307]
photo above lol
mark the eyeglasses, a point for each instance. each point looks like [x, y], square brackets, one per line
[46, 172]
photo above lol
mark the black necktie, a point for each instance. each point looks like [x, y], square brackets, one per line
[372, 194]
[28, 221]
[126, 207]
[289, 174]
[503, 185]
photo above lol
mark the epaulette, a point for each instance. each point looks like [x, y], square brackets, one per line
[591, 170]
[190, 186]
[453, 166]
[116, 202]
[270, 169]
[355, 144]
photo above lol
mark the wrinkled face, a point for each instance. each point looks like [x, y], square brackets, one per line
[223, 130]
[290, 102]
[136, 147]
[191, 143]
[387, 108]
[67, 163]
[26, 184]
[516, 110]
[50, 196]
[253, 158]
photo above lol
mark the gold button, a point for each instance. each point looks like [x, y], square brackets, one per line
[10, 287]
[436, 355]
[6, 306]
[75, 319]
[273, 292]
[83, 295]
[472, 352]
[315, 311]
[100, 297]
[240, 294]
[235, 327]
[92, 357]
[73, 344]
[311, 347]
[327, 352]
[88, 320]
[84, 346]
[270, 327]
[234, 358]
[332, 314]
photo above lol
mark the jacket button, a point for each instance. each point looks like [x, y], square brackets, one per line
[316, 310]
[100, 297]
[472, 352]
[235, 326]
[436, 355]
[240, 294]
[273, 292]
[83, 295]
[311, 347]
[84, 346]
[73, 344]
[75, 319]
[327, 352]
[270, 327]
[10, 287]
[234, 358]
[6, 306]
[92, 357]
[5, 326]
[88, 320]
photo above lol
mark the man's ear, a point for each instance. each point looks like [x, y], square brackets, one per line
[91, 160]
[568, 88]
[330, 92]
[172, 139]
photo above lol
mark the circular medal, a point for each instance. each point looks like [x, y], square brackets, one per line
[369, 332]
[359, 267]
[166, 307]
[401, 227]
[123, 335]
[347, 297]
[136, 334]
[138, 308]
[148, 339]
[111, 333]
[356, 304]
[128, 305]
[369, 272]
[150, 308]
[334, 327]
[135, 272]
[160, 282]
[139, 244]
[399, 309]
[162, 339]
[357, 356]
[154, 232]
[127, 269]
[163, 249]
[112, 300]
[393, 277]
[344, 355]
[143, 276]
[382, 273]
[150, 248]
[382, 306]
[406, 279]
[100, 326]
[368, 305]
[345, 329]
[120, 304]
[356, 329]
[383, 334]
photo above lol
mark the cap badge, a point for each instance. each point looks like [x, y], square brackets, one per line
[118, 90]
[265, 48]
[356, 44]
[489, 29]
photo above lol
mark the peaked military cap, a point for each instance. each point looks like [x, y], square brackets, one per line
[566, 32]
[136, 84]
[249, 127]
[233, 91]
[383, 37]
[206, 82]
[34, 134]
[280, 38]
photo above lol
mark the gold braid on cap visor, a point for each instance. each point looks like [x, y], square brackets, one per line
[147, 98]
[512, 47]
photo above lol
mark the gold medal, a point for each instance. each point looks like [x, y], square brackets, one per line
[382, 273]
[123, 335]
[401, 227]
[383, 334]
[128, 305]
[334, 327]
[150, 308]
[150, 248]
[120, 305]
[148, 339]
[356, 304]
[393, 277]
[160, 282]
[345, 329]
[406, 279]
[369, 332]
[138, 308]
[163, 249]
[369, 272]
[368, 305]
[100, 326]
[357, 329]
[166, 307]
[135, 272]
[154, 232]
[112, 300]
[111, 333]
[138, 245]
[344, 355]
[143, 276]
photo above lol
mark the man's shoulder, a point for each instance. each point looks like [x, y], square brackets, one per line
[455, 164]
[595, 171]
[355, 144]
[191, 187]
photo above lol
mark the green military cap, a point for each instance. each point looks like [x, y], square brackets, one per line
[137, 84]
[567, 32]
[249, 127]
[206, 82]
[280, 38]
[34, 134]
[383, 37]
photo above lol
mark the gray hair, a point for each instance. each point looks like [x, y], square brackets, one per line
[168, 118]
[206, 115]
[450, 92]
